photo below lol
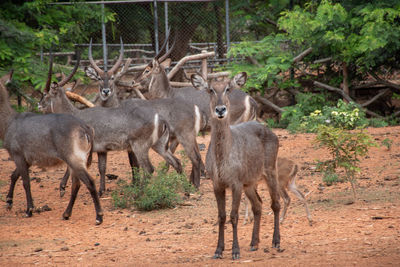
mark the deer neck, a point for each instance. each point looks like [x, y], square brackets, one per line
[221, 139]
[65, 106]
[159, 86]
[7, 113]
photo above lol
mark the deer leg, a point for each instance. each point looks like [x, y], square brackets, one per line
[286, 203]
[14, 178]
[89, 182]
[23, 169]
[220, 197]
[293, 188]
[173, 144]
[275, 205]
[102, 162]
[142, 155]
[236, 197]
[63, 182]
[256, 206]
[133, 162]
[193, 153]
[168, 156]
[76, 184]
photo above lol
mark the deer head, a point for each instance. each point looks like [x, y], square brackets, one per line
[52, 90]
[219, 92]
[106, 78]
[154, 72]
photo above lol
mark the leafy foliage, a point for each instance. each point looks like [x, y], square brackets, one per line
[163, 190]
[346, 148]
[27, 27]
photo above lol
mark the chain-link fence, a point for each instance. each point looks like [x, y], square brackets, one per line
[142, 25]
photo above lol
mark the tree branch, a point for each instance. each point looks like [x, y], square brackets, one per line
[345, 96]
[372, 100]
[302, 55]
[268, 103]
[388, 84]
[186, 59]
[79, 99]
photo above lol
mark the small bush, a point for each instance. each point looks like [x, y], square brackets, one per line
[330, 178]
[346, 149]
[377, 123]
[387, 143]
[163, 190]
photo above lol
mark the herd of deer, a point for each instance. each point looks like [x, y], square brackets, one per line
[240, 153]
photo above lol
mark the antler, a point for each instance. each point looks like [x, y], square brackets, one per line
[164, 44]
[47, 87]
[166, 55]
[78, 58]
[119, 61]
[94, 65]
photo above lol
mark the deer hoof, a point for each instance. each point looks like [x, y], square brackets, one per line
[66, 216]
[235, 255]
[62, 192]
[254, 248]
[99, 219]
[217, 255]
[28, 213]
[9, 204]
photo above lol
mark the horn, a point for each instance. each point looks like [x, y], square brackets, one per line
[164, 44]
[119, 61]
[78, 58]
[94, 65]
[166, 55]
[47, 87]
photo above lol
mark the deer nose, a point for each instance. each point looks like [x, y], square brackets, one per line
[106, 91]
[220, 111]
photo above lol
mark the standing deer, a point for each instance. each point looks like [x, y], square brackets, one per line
[184, 120]
[287, 171]
[47, 140]
[118, 128]
[237, 156]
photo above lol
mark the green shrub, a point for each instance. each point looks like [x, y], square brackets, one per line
[387, 143]
[330, 178]
[163, 190]
[346, 148]
[376, 122]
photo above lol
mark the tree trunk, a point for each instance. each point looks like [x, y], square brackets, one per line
[346, 89]
[220, 39]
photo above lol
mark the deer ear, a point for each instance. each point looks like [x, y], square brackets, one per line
[239, 79]
[166, 63]
[92, 73]
[198, 82]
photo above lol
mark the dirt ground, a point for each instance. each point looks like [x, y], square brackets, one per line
[364, 233]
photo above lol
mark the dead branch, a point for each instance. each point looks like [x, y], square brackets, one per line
[186, 59]
[322, 60]
[384, 82]
[345, 96]
[79, 99]
[302, 55]
[268, 103]
[372, 100]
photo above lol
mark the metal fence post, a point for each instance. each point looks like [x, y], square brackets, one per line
[166, 22]
[228, 37]
[155, 26]
[103, 33]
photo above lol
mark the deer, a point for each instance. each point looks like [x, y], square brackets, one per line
[115, 129]
[287, 172]
[154, 78]
[238, 155]
[45, 141]
[185, 121]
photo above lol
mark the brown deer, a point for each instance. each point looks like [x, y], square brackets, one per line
[117, 128]
[47, 140]
[237, 156]
[287, 171]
